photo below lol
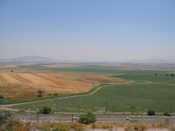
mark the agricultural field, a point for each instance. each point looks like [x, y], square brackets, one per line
[145, 90]
[116, 90]
[116, 98]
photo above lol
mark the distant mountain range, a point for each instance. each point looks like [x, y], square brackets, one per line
[27, 59]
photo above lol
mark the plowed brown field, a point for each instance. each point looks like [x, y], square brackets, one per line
[26, 84]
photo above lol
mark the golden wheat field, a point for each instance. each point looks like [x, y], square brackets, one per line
[25, 84]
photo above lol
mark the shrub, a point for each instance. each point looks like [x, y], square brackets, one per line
[77, 126]
[14, 125]
[1, 97]
[155, 74]
[151, 113]
[87, 118]
[5, 117]
[61, 128]
[55, 94]
[45, 110]
[40, 93]
[172, 75]
[166, 114]
[55, 127]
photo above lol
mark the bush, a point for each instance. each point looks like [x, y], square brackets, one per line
[151, 113]
[55, 94]
[77, 126]
[166, 114]
[55, 127]
[61, 128]
[14, 125]
[87, 118]
[1, 97]
[5, 117]
[40, 93]
[172, 75]
[45, 110]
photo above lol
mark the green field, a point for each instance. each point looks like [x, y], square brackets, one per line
[21, 100]
[153, 90]
[92, 69]
[162, 77]
[119, 98]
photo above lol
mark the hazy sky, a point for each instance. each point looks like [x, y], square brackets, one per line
[103, 30]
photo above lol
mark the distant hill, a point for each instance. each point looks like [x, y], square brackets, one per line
[27, 59]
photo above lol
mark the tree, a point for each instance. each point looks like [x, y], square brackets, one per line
[151, 113]
[45, 110]
[156, 74]
[40, 93]
[172, 75]
[87, 118]
[166, 114]
[1, 97]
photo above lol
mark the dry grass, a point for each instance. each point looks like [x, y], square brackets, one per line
[26, 83]
[134, 126]
[124, 126]
[67, 126]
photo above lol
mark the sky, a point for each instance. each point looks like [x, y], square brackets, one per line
[88, 30]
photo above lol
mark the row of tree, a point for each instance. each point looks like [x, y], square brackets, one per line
[168, 75]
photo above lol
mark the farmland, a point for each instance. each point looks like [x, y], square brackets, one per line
[148, 90]
[129, 90]
[117, 98]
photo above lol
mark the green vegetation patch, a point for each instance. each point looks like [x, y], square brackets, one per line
[116, 98]
[93, 69]
[153, 76]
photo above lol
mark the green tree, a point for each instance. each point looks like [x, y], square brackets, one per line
[172, 75]
[166, 114]
[156, 74]
[87, 118]
[1, 97]
[45, 110]
[40, 93]
[151, 113]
